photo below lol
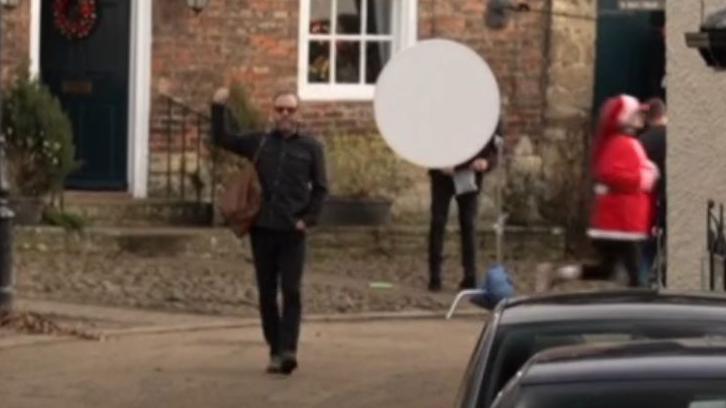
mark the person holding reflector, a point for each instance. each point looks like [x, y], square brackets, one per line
[463, 182]
[437, 105]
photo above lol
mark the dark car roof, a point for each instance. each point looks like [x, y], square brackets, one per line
[620, 304]
[649, 360]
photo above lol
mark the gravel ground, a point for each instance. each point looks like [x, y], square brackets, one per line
[337, 283]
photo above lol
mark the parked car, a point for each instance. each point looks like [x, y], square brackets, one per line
[663, 374]
[520, 328]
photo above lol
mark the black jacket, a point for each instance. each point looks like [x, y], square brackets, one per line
[654, 144]
[488, 152]
[291, 170]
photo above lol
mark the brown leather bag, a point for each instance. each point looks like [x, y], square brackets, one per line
[241, 200]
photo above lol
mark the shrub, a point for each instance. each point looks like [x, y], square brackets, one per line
[362, 166]
[39, 139]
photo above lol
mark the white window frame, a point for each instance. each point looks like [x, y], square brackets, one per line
[404, 34]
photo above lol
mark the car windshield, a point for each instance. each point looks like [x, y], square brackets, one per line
[631, 394]
[515, 344]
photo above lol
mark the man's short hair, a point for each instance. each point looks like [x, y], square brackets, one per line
[282, 93]
[656, 109]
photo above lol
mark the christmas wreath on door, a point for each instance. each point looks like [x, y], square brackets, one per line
[75, 19]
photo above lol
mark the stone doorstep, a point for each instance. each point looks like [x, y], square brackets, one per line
[219, 242]
[112, 211]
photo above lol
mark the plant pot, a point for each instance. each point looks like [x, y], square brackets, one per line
[343, 211]
[28, 210]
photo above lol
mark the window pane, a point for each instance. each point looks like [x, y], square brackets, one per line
[347, 67]
[319, 62]
[380, 15]
[377, 55]
[349, 16]
[625, 394]
[320, 16]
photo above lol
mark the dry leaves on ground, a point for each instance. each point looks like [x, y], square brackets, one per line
[35, 323]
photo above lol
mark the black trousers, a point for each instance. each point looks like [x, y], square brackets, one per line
[613, 253]
[652, 249]
[442, 191]
[279, 257]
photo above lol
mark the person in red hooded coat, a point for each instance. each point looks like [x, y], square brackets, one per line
[622, 211]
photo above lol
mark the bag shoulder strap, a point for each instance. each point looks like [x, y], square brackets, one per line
[256, 158]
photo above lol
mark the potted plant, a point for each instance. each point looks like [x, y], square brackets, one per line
[40, 147]
[365, 178]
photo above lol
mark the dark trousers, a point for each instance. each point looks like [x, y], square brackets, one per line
[442, 191]
[279, 257]
[613, 253]
[649, 254]
[654, 249]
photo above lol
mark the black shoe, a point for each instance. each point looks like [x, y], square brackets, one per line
[435, 285]
[469, 282]
[289, 363]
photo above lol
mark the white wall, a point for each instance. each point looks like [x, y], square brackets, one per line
[696, 143]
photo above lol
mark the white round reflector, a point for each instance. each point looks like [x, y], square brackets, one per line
[437, 104]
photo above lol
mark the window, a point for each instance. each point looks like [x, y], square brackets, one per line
[344, 45]
[674, 392]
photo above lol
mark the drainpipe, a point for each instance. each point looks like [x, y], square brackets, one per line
[547, 60]
[6, 221]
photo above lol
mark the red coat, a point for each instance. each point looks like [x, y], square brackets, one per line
[624, 179]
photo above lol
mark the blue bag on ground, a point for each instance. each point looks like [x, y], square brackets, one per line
[497, 286]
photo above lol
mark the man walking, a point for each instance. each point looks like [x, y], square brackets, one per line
[464, 182]
[291, 168]
[654, 143]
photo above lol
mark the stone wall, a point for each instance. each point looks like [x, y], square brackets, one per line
[696, 147]
[254, 42]
[563, 146]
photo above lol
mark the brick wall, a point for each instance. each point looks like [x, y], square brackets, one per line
[515, 54]
[15, 39]
[254, 42]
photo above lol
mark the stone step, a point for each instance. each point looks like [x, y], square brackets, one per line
[114, 211]
[208, 243]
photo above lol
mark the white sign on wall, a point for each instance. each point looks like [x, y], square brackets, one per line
[641, 5]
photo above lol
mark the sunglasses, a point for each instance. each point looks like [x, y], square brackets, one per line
[285, 109]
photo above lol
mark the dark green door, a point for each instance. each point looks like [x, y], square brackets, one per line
[91, 77]
[630, 53]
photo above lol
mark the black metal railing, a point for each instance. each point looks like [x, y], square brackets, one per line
[182, 138]
[716, 248]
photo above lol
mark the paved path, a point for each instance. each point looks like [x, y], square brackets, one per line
[415, 363]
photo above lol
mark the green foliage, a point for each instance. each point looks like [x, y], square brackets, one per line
[362, 166]
[248, 117]
[39, 139]
[68, 221]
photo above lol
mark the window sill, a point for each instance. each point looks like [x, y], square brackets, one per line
[340, 93]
